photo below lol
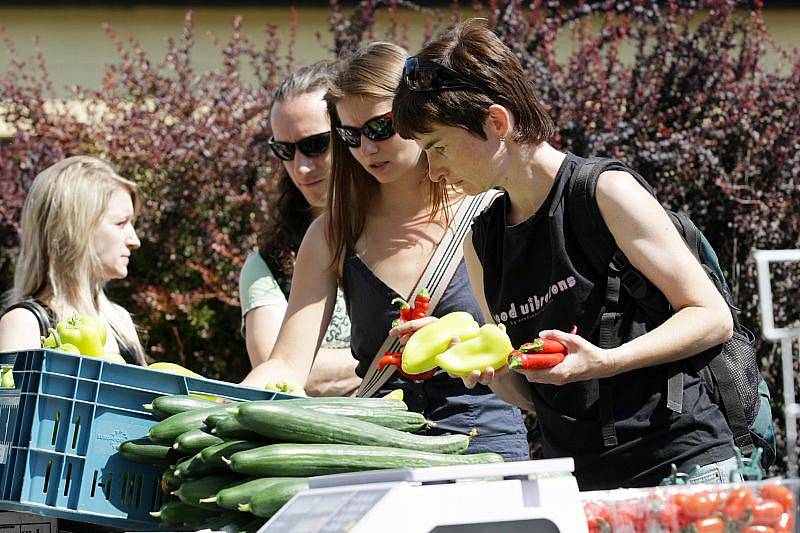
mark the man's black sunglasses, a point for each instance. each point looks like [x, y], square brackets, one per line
[375, 129]
[312, 146]
[425, 75]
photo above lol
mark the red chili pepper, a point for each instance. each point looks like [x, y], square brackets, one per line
[396, 359]
[406, 311]
[532, 361]
[421, 303]
[389, 358]
[543, 346]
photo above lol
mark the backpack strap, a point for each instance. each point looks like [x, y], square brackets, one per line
[38, 311]
[607, 259]
[598, 244]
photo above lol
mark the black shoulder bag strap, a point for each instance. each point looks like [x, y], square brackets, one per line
[589, 228]
[38, 311]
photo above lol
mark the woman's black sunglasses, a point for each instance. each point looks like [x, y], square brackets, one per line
[312, 146]
[425, 75]
[375, 129]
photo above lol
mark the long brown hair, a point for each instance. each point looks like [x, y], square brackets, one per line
[374, 71]
[290, 213]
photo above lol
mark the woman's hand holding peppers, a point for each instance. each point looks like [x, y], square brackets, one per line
[584, 361]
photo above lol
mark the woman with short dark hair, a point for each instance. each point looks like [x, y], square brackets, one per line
[467, 102]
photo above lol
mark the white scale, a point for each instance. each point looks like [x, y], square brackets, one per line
[530, 496]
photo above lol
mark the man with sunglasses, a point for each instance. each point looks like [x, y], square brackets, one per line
[300, 140]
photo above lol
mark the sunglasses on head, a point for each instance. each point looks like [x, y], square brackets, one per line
[425, 75]
[375, 129]
[311, 146]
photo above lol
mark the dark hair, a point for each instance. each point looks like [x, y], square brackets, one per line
[289, 214]
[475, 52]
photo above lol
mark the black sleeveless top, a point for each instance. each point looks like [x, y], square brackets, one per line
[535, 278]
[442, 399]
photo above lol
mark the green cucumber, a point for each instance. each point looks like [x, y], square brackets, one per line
[169, 481]
[195, 440]
[213, 454]
[145, 452]
[195, 467]
[294, 424]
[166, 431]
[212, 420]
[194, 490]
[166, 406]
[285, 460]
[400, 420]
[176, 512]
[268, 501]
[390, 418]
[230, 428]
[239, 494]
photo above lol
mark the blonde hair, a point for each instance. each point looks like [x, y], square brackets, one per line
[374, 71]
[57, 264]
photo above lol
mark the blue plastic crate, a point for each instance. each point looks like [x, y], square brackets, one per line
[61, 426]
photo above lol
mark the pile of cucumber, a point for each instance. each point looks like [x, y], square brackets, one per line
[236, 464]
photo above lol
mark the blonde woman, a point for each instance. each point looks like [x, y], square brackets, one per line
[77, 234]
[383, 221]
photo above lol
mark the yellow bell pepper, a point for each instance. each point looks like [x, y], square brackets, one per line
[114, 358]
[7, 377]
[174, 368]
[489, 349]
[396, 394]
[419, 354]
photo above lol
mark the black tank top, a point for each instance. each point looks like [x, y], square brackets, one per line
[441, 399]
[535, 278]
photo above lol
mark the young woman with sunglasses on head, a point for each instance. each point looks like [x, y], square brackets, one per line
[383, 223]
[77, 234]
[301, 140]
[469, 105]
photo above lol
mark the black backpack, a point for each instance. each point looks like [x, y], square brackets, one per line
[730, 371]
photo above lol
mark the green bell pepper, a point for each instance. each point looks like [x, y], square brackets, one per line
[489, 349]
[87, 333]
[419, 354]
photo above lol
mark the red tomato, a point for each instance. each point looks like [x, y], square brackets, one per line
[698, 505]
[782, 495]
[668, 517]
[758, 529]
[710, 525]
[767, 512]
[740, 501]
[629, 517]
[598, 517]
